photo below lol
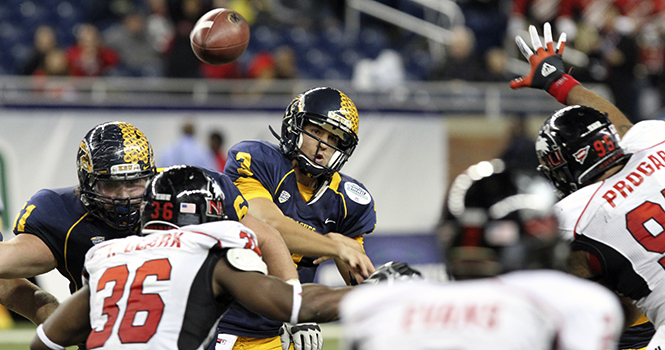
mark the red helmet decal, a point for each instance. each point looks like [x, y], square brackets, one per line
[581, 154]
[215, 208]
[554, 159]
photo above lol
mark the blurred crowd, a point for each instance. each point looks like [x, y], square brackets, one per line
[146, 38]
[619, 43]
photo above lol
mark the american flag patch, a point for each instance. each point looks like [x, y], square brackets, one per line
[188, 208]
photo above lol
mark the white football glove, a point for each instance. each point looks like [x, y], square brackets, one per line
[305, 336]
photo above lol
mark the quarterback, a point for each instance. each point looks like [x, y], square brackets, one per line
[297, 187]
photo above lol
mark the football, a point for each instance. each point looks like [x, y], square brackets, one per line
[220, 36]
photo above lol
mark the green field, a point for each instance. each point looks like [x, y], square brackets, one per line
[19, 337]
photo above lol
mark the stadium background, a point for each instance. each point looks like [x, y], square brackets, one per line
[415, 134]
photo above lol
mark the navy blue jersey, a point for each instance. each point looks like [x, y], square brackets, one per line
[0, 236]
[235, 205]
[345, 207]
[59, 219]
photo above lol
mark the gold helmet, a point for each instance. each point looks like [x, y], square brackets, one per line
[113, 151]
[330, 109]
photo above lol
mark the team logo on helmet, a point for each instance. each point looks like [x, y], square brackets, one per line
[137, 149]
[215, 208]
[581, 154]
[347, 115]
[550, 156]
[84, 157]
[542, 147]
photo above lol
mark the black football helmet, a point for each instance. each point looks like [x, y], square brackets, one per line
[113, 152]
[575, 146]
[181, 195]
[332, 110]
[498, 220]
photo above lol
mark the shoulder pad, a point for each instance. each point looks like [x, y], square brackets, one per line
[246, 260]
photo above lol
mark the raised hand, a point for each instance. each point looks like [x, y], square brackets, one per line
[547, 70]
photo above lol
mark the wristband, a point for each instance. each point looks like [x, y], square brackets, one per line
[297, 300]
[560, 88]
[49, 344]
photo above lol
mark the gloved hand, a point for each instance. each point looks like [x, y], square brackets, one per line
[305, 336]
[547, 71]
[392, 271]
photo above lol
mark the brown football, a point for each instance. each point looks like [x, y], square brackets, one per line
[220, 36]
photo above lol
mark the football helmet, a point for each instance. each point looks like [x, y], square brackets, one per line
[330, 109]
[181, 195]
[575, 146]
[110, 153]
[498, 220]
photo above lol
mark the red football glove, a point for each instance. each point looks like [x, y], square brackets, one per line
[547, 70]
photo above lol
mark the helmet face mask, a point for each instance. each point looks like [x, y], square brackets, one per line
[575, 147]
[329, 109]
[114, 155]
[498, 221]
[180, 196]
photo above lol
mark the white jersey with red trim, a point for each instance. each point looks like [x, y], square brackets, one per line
[620, 221]
[520, 310]
[155, 291]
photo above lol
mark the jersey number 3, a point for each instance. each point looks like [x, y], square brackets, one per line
[150, 305]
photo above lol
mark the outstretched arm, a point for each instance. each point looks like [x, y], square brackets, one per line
[579, 95]
[69, 324]
[274, 298]
[547, 73]
[273, 249]
[24, 256]
[302, 241]
[26, 299]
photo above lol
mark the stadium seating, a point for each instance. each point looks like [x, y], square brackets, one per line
[321, 54]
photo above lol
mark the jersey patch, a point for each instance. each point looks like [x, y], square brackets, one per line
[246, 260]
[284, 196]
[357, 193]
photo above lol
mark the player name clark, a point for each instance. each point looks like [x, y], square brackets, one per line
[625, 186]
[165, 240]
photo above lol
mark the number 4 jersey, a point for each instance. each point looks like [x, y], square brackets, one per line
[621, 220]
[155, 291]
